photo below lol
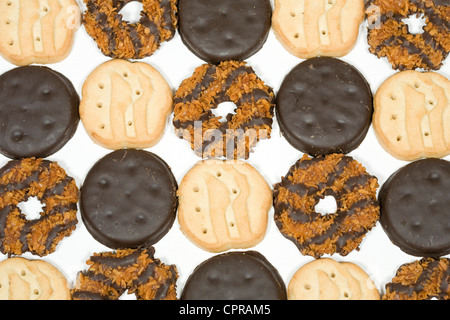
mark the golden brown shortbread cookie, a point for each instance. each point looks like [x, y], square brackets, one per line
[311, 28]
[224, 205]
[412, 115]
[327, 279]
[39, 31]
[125, 105]
[23, 279]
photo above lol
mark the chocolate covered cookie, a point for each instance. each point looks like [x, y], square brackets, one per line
[129, 199]
[237, 275]
[218, 30]
[38, 112]
[414, 204]
[324, 106]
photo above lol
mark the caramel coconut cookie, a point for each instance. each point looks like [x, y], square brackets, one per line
[38, 31]
[388, 36]
[318, 28]
[237, 134]
[310, 180]
[125, 105]
[117, 38]
[412, 114]
[422, 279]
[110, 274]
[49, 183]
[327, 279]
[224, 205]
[24, 279]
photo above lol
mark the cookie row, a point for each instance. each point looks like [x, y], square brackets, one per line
[217, 31]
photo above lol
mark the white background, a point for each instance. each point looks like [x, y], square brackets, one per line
[272, 158]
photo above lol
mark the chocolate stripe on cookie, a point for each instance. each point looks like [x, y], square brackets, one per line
[167, 17]
[207, 79]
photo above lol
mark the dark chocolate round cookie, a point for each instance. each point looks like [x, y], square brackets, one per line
[129, 199]
[414, 203]
[236, 275]
[324, 106]
[219, 30]
[38, 112]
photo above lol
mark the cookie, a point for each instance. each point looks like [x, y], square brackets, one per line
[327, 279]
[307, 182]
[424, 279]
[324, 106]
[414, 204]
[129, 199]
[218, 30]
[412, 115]
[125, 105]
[311, 28]
[236, 275]
[224, 205]
[38, 112]
[24, 279]
[38, 31]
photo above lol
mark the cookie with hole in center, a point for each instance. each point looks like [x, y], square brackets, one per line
[125, 105]
[224, 205]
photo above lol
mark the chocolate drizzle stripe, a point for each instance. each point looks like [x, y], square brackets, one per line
[58, 189]
[146, 22]
[120, 262]
[25, 183]
[207, 79]
[167, 17]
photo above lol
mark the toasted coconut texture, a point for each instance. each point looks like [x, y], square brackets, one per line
[311, 179]
[118, 38]
[48, 183]
[421, 280]
[235, 136]
[110, 274]
[388, 36]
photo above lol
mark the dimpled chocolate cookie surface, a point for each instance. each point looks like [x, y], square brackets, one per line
[414, 204]
[38, 112]
[129, 199]
[218, 30]
[237, 275]
[324, 106]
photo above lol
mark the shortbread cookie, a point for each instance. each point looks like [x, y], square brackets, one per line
[125, 105]
[224, 205]
[412, 115]
[327, 279]
[310, 28]
[23, 279]
[39, 31]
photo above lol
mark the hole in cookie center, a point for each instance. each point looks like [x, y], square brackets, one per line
[131, 12]
[31, 208]
[224, 109]
[415, 23]
[327, 205]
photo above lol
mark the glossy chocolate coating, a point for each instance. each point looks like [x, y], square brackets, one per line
[324, 106]
[415, 204]
[129, 199]
[38, 112]
[218, 30]
[236, 275]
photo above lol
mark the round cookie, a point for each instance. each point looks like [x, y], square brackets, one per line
[38, 112]
[117, 38]
[24, 279]
[237, 275]
[327, 279]
[324, 106]
[218, 30]
[412, 115]
[311, 179]
[414, 204]
[422, 279]
[224, 205]
[389, 36]
[125, 105]
[318, 28]
[129, 199]
[39, 32]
